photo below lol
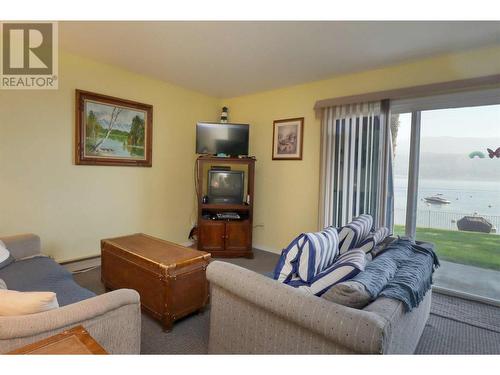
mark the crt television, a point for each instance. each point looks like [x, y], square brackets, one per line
[213, 138]
[226, 186]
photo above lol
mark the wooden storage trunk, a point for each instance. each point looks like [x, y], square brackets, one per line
[170, 278]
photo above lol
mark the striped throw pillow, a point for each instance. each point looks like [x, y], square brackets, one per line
[355, 232]
[346, 267]
[319, 251]
[382, 246]
[373, 239]
[287, 263]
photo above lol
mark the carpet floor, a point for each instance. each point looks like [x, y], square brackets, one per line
[455, 326]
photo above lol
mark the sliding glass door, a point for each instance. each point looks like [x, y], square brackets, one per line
[447, 191]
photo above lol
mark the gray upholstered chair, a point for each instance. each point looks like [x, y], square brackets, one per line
[113, 319]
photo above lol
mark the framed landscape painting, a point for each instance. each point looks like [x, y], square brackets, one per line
[112, 131]
[287, 139]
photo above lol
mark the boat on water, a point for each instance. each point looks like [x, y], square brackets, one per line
[437, 200]
[475, 224]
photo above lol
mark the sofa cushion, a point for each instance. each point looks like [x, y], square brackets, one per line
[351, 235]
[44, 274]
[318, 252]
[348, 293]
[22, 303]
[5, 257]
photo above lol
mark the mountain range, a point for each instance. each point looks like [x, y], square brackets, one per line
[448, 157]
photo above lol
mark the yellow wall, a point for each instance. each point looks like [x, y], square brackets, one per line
[72, 207]
[286, 196]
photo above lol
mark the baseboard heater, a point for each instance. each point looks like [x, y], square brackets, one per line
[82, 264]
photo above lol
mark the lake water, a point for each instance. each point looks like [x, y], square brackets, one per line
[466, 197]
[120, 149]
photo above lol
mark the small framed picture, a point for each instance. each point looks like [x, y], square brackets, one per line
[112, 131]
[287, 139]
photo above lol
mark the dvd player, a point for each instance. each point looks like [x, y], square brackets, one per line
[227, 216]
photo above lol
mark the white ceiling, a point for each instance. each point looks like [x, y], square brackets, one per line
[226, 59]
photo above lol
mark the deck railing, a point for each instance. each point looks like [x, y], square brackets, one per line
[442, 219]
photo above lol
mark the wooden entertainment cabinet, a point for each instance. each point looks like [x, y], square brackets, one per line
[225, 238]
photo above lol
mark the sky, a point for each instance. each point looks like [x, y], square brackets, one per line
[477, 122]
[102, 112]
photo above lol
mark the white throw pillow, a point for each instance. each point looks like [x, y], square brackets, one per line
[4, 253]
[5, 257]
[2, 284]
[23, 303]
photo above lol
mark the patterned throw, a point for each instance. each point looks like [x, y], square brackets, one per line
[402, 271]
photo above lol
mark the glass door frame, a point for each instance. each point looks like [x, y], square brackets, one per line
[415, 106]
[413, 179]
[413, 172]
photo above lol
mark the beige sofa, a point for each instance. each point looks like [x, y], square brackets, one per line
[251, 313]
[113, 319]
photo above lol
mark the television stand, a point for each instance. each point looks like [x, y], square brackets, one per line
[225, 236]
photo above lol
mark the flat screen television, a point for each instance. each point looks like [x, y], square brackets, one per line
[226, 186]
[214, 138]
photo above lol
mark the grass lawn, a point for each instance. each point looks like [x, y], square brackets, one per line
[475, 249]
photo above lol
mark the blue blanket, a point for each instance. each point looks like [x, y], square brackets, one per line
[42, 274]
[402, 271]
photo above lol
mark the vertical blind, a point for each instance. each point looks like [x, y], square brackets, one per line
[356, 165]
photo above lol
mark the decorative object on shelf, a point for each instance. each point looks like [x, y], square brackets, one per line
[112, 131]
[223, 115]
[493, 154]
[288, 139]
